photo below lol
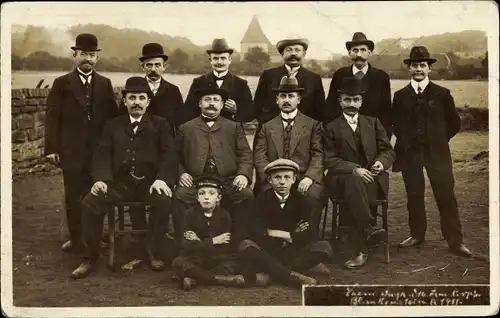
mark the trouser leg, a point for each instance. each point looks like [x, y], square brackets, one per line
[414, 181]
[94, 207]
[311, 256]
[158, 223]
[190, 266]
[239, 204]
[262, 260]
[76, 186]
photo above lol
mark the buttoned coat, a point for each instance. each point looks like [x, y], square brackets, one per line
[306, 147]
[151, 148]
[238, 91]
[230, 149]
[376, 99]
[312, 103]
[341, 151]
[68, 132]
[442, 123]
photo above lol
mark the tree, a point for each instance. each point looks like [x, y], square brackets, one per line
[484, 63]
[257, 57]
[178, 60]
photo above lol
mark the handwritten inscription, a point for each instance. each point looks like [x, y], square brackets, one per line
[394, 295]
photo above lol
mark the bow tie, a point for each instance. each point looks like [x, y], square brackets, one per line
[221, 78]
[352, 121]
[209, 120]
[135, 124]
[288, 120]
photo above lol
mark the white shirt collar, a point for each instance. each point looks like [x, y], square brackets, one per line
[220, 74]
[290, 115]
[350, 119]
[355, 117]
[151, 81]
[132, 119]
[292, 70]
[355, 69]
[280, 197]
[89, 76]
[423, 84]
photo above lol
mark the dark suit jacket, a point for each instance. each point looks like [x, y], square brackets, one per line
[167, 103]
[376, 100]
[67, 129]
[341, 152]
[306, 147]
[442, 123]
[196, 221]
[151, 149]
[313, 98]
[238, 91]
[230, 148]
[268, 214]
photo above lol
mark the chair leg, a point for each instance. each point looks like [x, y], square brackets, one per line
[386, 228]
[334, 221]
[111, 234]
[325, 211]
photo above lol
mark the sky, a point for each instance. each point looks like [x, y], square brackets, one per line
[327, 25]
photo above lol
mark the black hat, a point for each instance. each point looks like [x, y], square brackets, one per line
[419, 53]
[220, 46]
[209, 180]
[281, 164]
[281, 45]
[137, 84]
[359, 38]
[352, 86]
[288, 84]
[151, 50]
[86, 42]
[211, 90]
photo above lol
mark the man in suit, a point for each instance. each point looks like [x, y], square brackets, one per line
[357, 153]
[284, 237]
[313, 97]
[239, 105]
[425, 119]
[78, 106]
[212, 144]
[292, 135]
[135, 160]
[377, 99]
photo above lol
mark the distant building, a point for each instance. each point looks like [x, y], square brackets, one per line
[255, 37]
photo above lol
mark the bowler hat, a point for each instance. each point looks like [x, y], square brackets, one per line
[86, 42]
[220, 46]
[280, 46]
[209, 180]
[419, 53]
[151, 50]
[288, 84]
[359, 38]
[281, 164]
[352, 86]
[211, 90]
[137, 84]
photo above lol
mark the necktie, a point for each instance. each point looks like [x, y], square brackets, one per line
[135, 124]
[419, 90]
[209, 120]
[221, 78]
[352, 121]
[155, 85]
[286, 141]
[85, 77]
[359, 74]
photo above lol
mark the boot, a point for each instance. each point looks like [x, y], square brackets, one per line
[188, 283]
[85, 268]
[262, 279]
[302, 279]
[230, 280]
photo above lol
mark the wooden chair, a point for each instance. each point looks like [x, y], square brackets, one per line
[335, 221]
[117, 215]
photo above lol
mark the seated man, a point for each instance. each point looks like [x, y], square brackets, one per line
[212, 144]
[292, 135]
[357, 153]
[284, 238]
[206, 255]
[135, 161]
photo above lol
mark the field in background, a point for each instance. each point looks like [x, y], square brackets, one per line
[471, 93]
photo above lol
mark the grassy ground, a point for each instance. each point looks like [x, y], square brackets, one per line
[41, 270]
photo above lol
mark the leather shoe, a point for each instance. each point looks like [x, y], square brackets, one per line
[156, 264]
[70, 246]
[411, 241]
[376, 236]
[356, 261]
[262, 279]
[230, 280]
[188, 283]
[85, 268]
[461, 250]
[302, 279]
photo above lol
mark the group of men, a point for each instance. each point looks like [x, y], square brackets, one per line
[192, 160]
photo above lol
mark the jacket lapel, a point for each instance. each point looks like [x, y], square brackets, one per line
[276, 131]
[145, 122]
[346, 132]
[127, 125]
[76, 87]
[227, 83]
[299, 126]
[363, 131]
[163, 88]
[200, 123]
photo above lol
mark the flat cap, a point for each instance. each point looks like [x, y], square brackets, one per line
[210, 180]
[281, 164]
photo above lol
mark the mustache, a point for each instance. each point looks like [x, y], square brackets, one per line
[153, 73]
[136, 107]
[286, 104]
[351, 108]
[293, 58]
[359, 58]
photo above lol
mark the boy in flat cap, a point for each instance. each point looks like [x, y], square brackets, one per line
[284, 241]
[425, 120]
[357, 153]
[207, 257]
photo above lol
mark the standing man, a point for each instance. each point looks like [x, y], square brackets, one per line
[293, 135]
[377, 99]
[135, 160]
[425, 119]
[313, 98]
[78, 106]
[212, 144]
[239, 106]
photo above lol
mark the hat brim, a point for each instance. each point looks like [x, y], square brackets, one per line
[212, 91]
[281, 168]
[280, 46]
[142, 58]
[287, 90]
[369, 43]
[230, 51]
[351, 92]
[429, 60]
[125, 91]
[85, 49]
